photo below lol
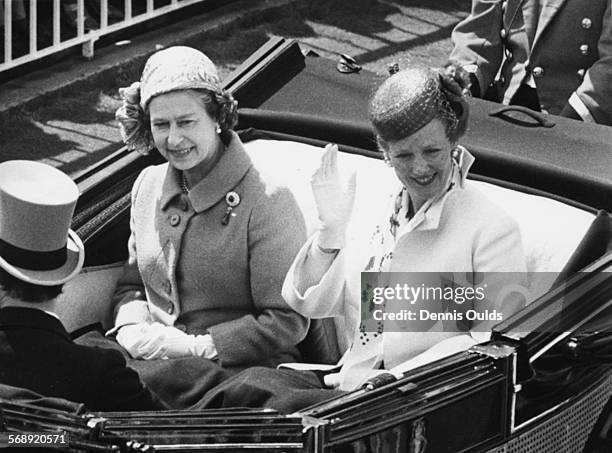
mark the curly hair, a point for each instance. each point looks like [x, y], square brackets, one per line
[223, 108]
[177, 68]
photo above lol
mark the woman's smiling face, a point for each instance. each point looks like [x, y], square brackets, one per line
[422, 161]
[183, 131]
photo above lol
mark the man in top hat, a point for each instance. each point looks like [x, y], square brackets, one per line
[548, 55]
[38, 254]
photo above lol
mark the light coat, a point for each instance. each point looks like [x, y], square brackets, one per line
[567, 49]
[188, 269]
[461, 232]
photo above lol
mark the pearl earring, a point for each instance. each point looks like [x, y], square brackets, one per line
[218, 129]
[387, 159]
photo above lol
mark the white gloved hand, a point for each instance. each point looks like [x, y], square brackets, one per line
[157, 341]
[132, 336]
[334, 200]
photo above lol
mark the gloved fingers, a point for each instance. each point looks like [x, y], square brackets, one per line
[152, 344]
[131, 337]
[332, 380]
[455, 81]
[203, 346]
[332, 169]
[328, 167]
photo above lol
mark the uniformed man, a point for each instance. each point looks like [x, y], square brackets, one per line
[553, 56]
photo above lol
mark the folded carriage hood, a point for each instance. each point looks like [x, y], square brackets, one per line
[306, 96]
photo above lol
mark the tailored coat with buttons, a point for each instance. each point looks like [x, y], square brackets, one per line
[563, 46]
[189, 269]
[461, 232]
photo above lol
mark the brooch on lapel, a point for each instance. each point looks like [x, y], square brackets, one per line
[232, 199]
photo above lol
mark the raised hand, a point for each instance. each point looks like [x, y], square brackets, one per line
[334, 200]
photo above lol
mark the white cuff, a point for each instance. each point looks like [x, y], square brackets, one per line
[580, 108]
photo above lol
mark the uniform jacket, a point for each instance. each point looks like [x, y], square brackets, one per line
[36, 353]
[567, 49]
[461, 232]
[187, 269]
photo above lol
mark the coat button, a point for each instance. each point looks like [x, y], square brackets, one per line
[174, 219]
[170, 309]
[581, 73]
[503, 33]
[584, 49]
[586, 23]
[538, 72]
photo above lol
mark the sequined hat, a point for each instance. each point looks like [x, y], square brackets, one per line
[36, 206]
[405, 102]
[177, 68]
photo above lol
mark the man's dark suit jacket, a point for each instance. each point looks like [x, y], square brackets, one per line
[37, 353]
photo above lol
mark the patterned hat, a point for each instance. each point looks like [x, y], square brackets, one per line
[405, 102]
[177, 68]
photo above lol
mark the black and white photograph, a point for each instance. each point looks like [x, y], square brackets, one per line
[315, 226]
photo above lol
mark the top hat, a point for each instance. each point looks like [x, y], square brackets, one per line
[36, 206]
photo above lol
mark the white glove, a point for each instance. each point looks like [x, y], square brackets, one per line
[334, 202]
[157, 341]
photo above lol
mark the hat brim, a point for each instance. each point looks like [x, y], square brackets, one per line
[72, 266]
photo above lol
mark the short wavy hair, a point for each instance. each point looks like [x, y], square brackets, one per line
[177, 68]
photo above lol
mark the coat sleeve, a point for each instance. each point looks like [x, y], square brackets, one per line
[121, 388]
[276, 232]
[500, 268]
[477, 43]
[330, 297]
[129, 300]
[592, 100]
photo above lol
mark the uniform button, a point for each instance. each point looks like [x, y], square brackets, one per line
[584, 49]
[503, 33]
[538, 72]
[581, 73]
[170, 309]
[181, 327]
[174, 219]
[586, 23]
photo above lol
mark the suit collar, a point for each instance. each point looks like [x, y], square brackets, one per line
[548, 12]
[31, 318]
[231, 168]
